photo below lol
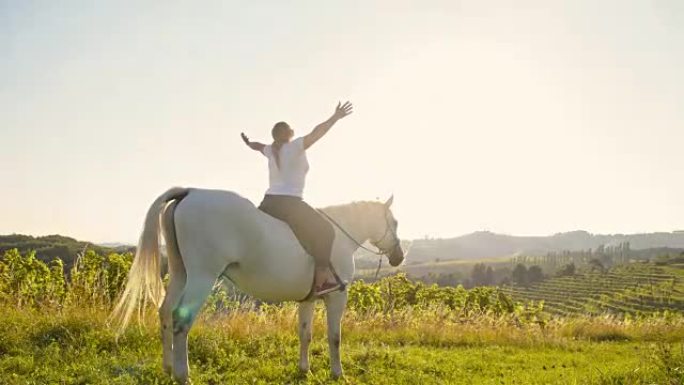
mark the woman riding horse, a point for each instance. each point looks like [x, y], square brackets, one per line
[212, 234]
[287, 166]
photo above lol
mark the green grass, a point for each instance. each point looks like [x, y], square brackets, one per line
[54, 331]
[75, 346]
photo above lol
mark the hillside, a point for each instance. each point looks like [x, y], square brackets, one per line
[474, 246]
[627, 289]
[50, 247]
[484, 244]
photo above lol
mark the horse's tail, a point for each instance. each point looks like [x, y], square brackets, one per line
[144, 279]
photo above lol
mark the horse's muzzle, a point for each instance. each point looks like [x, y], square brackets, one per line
[396, 257]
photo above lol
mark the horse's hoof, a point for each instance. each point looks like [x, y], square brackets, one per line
[337, 375]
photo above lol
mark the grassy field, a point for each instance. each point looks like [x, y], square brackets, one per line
[54, 330]
[76, 346]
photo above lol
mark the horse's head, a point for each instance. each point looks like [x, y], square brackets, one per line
[385, 237]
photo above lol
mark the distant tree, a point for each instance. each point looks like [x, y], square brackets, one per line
[596, 265]
[519, 275]
[606, 260]
[489, 276]
[502, 274]
[535, 274]
[601, 249]
[478, 275]
[448, 280]
[567, 270]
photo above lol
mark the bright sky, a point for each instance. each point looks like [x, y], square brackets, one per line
[522, 117]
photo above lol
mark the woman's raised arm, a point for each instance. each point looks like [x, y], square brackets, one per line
[256, 146]
[320, 130]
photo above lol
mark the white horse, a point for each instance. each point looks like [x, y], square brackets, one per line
[212, 233]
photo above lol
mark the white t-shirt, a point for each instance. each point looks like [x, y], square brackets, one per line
[290, 177]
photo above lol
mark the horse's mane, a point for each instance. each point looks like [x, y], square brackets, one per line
[354, 213]
[352, 206]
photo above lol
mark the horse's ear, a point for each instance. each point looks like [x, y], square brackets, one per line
[390, 201]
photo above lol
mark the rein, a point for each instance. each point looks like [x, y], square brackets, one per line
[382, 251]
[348, 235]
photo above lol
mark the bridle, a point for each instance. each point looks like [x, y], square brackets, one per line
[387, 231]
[382, 251]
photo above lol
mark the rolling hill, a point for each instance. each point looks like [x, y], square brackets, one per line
[485, 244]
[626, 289]
[54, 246]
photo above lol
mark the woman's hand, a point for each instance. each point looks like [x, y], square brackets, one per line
[256, 146]
[343, 110]
[244, 138]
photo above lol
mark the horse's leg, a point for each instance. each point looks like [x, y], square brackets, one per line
[174, 290]
[197, 288]
[172, 297]
[335, 304]
[306, 311]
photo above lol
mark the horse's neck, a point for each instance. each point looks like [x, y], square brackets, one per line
[355, 221]
[350, 218]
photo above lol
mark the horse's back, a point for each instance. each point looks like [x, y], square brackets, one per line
[217, 229]
[221, 215]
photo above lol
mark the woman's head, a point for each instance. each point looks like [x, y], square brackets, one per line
[282, 132]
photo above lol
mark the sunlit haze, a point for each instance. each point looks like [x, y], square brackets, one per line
[520, 117]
